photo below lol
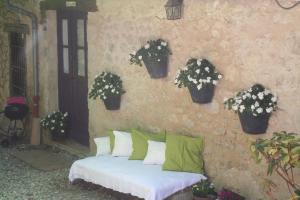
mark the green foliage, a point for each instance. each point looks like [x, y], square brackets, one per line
[154, 50]
[197, 73]
[55, 122]
[203, 189]
[282, 154]
[105, 85]
[256, 100]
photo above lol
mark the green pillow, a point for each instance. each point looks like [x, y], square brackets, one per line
[140, 144]
[184, 153]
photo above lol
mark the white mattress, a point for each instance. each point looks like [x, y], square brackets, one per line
[130, 176]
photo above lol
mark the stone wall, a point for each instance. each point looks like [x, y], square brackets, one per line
[248, 42]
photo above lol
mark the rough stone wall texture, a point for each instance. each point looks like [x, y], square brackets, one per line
[248, 41]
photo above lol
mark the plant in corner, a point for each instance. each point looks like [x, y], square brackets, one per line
[56, 123]
[254, 107]
[204, 190]
[200, 77]
[154, 54]
[282, 154]
[108, 87]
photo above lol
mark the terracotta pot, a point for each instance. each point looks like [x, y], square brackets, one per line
[112, 102]
[254, 125]
[157, 69]
[205, 95]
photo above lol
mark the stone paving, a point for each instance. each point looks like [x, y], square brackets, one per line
[20, 181]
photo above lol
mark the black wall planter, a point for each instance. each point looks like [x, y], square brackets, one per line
[254, 125]
[202, 96]
[157, 69]
[112, 102]
[56, 136]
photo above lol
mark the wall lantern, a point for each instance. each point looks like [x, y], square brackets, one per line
[174, 9]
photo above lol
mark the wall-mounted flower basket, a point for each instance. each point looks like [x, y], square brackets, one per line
[155, 55]
[205, 95]
[254, 124]
[112, 102]
[200, 77]
[108, 87]
[156, 69]
[254, 107]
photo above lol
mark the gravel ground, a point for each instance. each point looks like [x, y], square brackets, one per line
[19, 181]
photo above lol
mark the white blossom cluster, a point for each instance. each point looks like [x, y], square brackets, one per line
[257, 100]
[55, 122]
[153, 49]
[105, 85]
[197, 73]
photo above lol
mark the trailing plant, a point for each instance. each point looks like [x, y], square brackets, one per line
[106, 85]
[155, 50]
[204, 189]
[197, 73]
[55, 122]
[282, 154]
[256, 100]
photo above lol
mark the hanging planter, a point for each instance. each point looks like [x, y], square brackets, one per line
[254, 107]
[200, 77]
[254, 124]
[155, 55]
[108, 87]
[112, 102]
[205, 95]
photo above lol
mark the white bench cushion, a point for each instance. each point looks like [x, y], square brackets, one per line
[132, 176]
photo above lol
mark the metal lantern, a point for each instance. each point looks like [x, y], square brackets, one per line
[174, 9]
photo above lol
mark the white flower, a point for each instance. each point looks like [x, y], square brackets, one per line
[254, 97]
[195, 81]
[242, 108]
[198, 71]
[206, 69]
[248, 95]
[269, 110]
[199, 62]
[199, 86]
[66, 114]
[215, 82]
[220, 76]
[106, 87]
[140, 57]
[252, 107]
[104, 97]
[274, 99]
[163, 44]
[256, 104]
[250, 90]
[260, 95]
[234, 107]
[208, 78]
[259, 110]
[52, 128]
[62, 131]
[147, 46]
[244, 97]
[113, 90]
[159, 47]
[52, 121]
[158, 60]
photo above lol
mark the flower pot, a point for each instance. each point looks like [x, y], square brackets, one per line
[59, 137]
[202, 96]
[157, 69]
[254, 125]
[112, 102]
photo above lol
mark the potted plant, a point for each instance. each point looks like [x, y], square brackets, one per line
[282, 155]
[154, 54]
[200, 77]
[108, 87]
[56, 123]
[226, 194]
[254, 107]
[204, 190]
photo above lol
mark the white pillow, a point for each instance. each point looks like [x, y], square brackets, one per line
[103, 145]
[156, 153]
[123, 144]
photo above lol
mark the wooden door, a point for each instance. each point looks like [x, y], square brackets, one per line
[72, 56]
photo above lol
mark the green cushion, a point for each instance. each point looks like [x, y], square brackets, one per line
[184, 153]
[112, 139]
[140, 144]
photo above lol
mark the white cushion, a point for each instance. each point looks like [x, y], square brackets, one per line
[103, 145]
[123, 144]
[156, 153]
